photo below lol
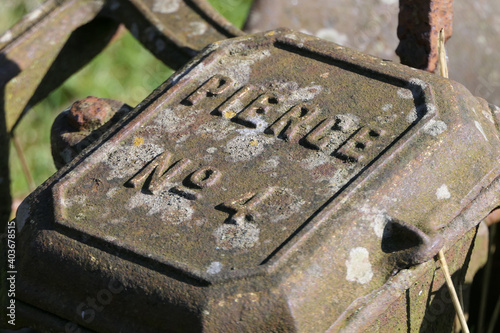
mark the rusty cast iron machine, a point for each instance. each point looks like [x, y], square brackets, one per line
[275, 183]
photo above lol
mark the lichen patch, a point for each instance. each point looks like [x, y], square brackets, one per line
[6, 37]
[246, 147]
[126, 160]
[443, 193]
[236, 236]
[359, 268]
[166, 6]
[377, 218]
[197, 28]
[435, 127]
[172, 208]
[214, 268]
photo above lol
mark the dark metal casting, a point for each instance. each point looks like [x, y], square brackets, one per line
[276, 183]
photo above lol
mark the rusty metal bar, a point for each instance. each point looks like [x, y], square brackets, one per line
[418, 31]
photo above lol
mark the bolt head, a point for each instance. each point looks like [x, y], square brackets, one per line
[90, 113]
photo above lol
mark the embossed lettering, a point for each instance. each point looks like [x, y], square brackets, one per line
[216, 85]
[340, 135]
[159, 172]
[260, 106]
[354, 149]
[332, 131]
[288, 125]
[244, 208]
[318, 138]
[205, 177]
[235, 103]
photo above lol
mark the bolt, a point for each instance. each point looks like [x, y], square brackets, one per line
[83, 123]
[90, 113]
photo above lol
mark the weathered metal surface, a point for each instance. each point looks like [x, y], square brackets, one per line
[82, 124]
[27, 51]
[418, 31]
[54, 41]
[276, 183]
[415, 300]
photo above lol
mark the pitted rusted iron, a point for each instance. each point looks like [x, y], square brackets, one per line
[277, 183]
[82, 124]
[418, 31]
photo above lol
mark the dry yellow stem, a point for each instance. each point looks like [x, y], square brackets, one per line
[443, 69]
[443, 65]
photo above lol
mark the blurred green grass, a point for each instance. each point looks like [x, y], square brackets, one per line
[124, 71]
